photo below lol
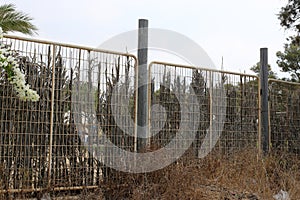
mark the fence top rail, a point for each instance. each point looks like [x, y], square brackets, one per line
[285, 82]
[69, 45]
[201, 68]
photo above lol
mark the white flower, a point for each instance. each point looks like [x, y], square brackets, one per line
[2, 57]
[10, 59]
[5, 63]
[15, 76]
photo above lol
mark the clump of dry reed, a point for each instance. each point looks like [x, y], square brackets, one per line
[241, 175]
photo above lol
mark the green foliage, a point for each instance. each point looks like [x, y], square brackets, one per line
[12, 20]
[289, 15]
[289, 60]
[256, 69]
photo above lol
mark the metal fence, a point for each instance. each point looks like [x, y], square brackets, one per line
[45, 144]
[284, 115]
[88, 101]
[227, 107]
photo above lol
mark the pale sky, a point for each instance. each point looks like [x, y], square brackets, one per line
[234, 29]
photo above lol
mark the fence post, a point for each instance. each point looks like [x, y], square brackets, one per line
[51, 117]
[142, 109]
[264, 100]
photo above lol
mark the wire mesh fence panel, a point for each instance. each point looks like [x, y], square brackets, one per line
[57, 141]
[241, 128]
[224, 105]
[284, 114]
[75, 135]
[25, 126]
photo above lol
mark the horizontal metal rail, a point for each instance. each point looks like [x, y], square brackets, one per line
[68, 45]
[285, 82]
[201, 68]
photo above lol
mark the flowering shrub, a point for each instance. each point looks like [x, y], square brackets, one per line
[15, 76]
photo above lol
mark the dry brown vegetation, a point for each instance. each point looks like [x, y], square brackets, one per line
[241, 175]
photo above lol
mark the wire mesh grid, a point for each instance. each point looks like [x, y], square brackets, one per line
[284, 115]
[51, 143]
[226, 107]
[87, 100]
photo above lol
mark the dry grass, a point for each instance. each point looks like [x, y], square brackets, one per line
[240, 176]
